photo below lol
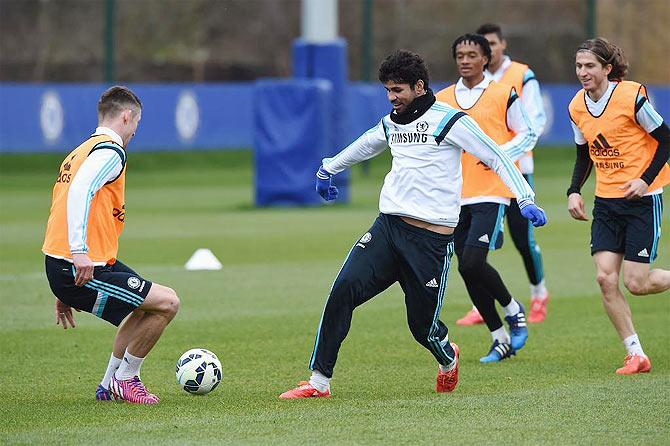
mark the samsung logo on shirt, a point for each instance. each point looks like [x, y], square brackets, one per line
[408, 138]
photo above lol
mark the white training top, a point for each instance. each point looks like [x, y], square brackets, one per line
[425, 180]
[517, 121]
[99, 167]
[532, 101]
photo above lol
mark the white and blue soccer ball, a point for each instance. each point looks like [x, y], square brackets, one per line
[199, 371]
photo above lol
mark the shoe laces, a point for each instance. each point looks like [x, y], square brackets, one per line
[138, 387]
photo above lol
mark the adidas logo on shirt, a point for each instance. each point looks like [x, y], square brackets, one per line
[432, 283]
[484, 238]
[643, 253]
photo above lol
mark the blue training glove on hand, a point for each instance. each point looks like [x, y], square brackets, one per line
[324, 185]
[534, 213]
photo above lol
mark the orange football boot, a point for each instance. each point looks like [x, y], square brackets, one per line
[635, 364]
[447, 381]
[472, 317]
[538, 309]
[304, 390]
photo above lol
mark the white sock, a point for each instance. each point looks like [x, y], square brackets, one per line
[512, 308]
[539, 291]
[501, 336]
[130, 366]
[475, 309]
[319, 381]
[114, 364]
[450, 367]
[447, 368]
[633, 345]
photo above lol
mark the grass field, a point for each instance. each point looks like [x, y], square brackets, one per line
[260, 314]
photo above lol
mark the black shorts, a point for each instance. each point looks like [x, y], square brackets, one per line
[630, 227]
[115, 291]
[480, 224]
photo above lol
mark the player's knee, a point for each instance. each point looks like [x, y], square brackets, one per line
[169, 303]
[636, 286]
[607, 281]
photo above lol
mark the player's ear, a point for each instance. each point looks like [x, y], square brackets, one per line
[608, 68]
[420, 86]
[503, 44]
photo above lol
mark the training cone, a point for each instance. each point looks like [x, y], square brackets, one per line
[203, 259]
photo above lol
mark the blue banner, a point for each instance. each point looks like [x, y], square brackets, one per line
[57, 117]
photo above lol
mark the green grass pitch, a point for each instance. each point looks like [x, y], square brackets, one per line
[260, 314]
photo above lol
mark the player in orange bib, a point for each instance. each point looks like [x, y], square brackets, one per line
[618, 132]
[520, 76]
[498, 111]
[81, 245]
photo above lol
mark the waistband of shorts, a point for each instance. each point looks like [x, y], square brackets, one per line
[398, 221]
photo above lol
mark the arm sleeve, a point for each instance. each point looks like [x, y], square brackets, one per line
[467, 135]
[582, 169]
[662, 135]
[518, 122]
[646, 115]
[532, 101]
[579, 136]
[100, 167]
[368, 145]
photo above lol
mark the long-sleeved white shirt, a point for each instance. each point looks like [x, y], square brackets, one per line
[100, 167]
[517, 120]
[425, 180]
[531, 97]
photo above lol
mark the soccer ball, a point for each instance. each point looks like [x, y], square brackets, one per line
[199, 371]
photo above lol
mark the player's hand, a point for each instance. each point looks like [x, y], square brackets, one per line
[576, 207]
[635, 188]
[64, 315]
[535, 214]
[324, 185]
[83, 267]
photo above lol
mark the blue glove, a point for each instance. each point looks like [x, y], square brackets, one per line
[324, 185]
[535, 214]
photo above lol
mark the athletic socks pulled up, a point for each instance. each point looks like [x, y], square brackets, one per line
[113, 364]
[633, 345]
[130, 366]
[512, 308]
[501, 336]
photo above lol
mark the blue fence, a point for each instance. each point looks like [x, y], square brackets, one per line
[57, 117]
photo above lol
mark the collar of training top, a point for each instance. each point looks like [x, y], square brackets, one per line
[416, 109]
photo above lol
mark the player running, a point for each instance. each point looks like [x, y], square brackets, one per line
[81, 244]
[485, 198]
[411, 242]
[618, 131]
[518, 75]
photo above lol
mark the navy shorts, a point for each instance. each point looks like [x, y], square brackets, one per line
[480, 224]
[115, 291]
[629, 227]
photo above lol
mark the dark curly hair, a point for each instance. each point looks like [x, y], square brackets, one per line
[607, 54]
[403, 67]
[477, 39]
